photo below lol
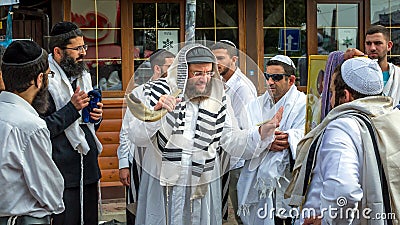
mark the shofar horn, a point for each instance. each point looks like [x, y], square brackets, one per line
[140, 111]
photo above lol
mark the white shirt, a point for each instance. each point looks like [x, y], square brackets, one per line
[241, 91]
[337, 172]
[29, 179]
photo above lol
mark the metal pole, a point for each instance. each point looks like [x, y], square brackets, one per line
[190, 21]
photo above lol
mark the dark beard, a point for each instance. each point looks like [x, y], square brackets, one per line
[196, 96]
[224, 71]
[41, 101]
[72, 68]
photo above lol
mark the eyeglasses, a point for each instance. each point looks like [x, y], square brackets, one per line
[79, 48]
[201, 73]
[50, 73]
[275, 77]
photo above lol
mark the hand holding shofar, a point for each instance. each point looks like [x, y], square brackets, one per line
[140, 111]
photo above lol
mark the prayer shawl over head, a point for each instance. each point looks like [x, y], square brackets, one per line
[385, 121]
[261, 176]
[170, 139]
[61, 90]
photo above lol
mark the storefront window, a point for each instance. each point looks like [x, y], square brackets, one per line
[217, 20]
[387, 13]
[155, 26]
[100, 22]
[284, 29]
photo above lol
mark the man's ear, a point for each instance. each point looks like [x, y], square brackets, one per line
[157, 69]
[390, 45]
[58, 53]
[39, 80]
[235, 59]
[348, 97]
[292, 79]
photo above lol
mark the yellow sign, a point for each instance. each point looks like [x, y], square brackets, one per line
[1, 25]
[316, 71]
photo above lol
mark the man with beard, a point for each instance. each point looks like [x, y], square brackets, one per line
[377, 46]
[240, 91]
[74, 142]
[180, 181]
[128, 154]
[31, 185]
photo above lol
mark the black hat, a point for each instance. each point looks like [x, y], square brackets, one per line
[200, 54]
[22, 52]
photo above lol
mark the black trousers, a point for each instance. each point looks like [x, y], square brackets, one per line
[72, 213]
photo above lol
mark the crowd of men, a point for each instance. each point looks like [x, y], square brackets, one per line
[196, 134]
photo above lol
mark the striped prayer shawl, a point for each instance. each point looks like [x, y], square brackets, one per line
[209, 126]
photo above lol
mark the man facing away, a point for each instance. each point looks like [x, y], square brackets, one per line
[129, 156]
[264, 179]
[74, 142]
[31, 185]
[338, 169]
[240, 91]
[377, 46]
[181, 167]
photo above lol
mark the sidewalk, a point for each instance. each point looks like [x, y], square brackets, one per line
[115, 209]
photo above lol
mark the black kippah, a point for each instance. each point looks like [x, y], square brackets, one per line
[22, 52]
[62, 28]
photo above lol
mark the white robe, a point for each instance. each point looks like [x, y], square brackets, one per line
[392, 87]
[263, 175]
[153, 206]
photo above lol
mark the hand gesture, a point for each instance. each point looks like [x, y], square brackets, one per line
[167, 102]
[281, 141]
[351, 52]
[268, 128]
[79, 99]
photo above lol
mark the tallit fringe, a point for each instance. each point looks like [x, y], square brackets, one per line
[243, 210]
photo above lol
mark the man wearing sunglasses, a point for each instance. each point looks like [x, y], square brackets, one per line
[268, 174]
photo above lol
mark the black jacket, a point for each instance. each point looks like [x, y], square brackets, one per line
[65, 157]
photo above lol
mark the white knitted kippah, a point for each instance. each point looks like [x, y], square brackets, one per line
[285, 59]
[363, 75]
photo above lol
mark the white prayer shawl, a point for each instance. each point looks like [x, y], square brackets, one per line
[61, 90]
[373, 107]
[392, 87]
[261, 176]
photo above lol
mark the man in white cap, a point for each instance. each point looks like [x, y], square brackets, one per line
[180, 181]
[264, 179]
[337, 169]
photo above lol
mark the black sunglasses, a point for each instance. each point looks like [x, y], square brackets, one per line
[275, 77]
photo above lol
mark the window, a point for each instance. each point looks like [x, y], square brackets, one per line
[387, 13]
[100, 23]
[284, 29]
[217, 20]
[155, 26]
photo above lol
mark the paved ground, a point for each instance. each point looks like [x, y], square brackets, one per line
[115, 209]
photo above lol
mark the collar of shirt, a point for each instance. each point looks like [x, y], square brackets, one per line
[12, 98]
